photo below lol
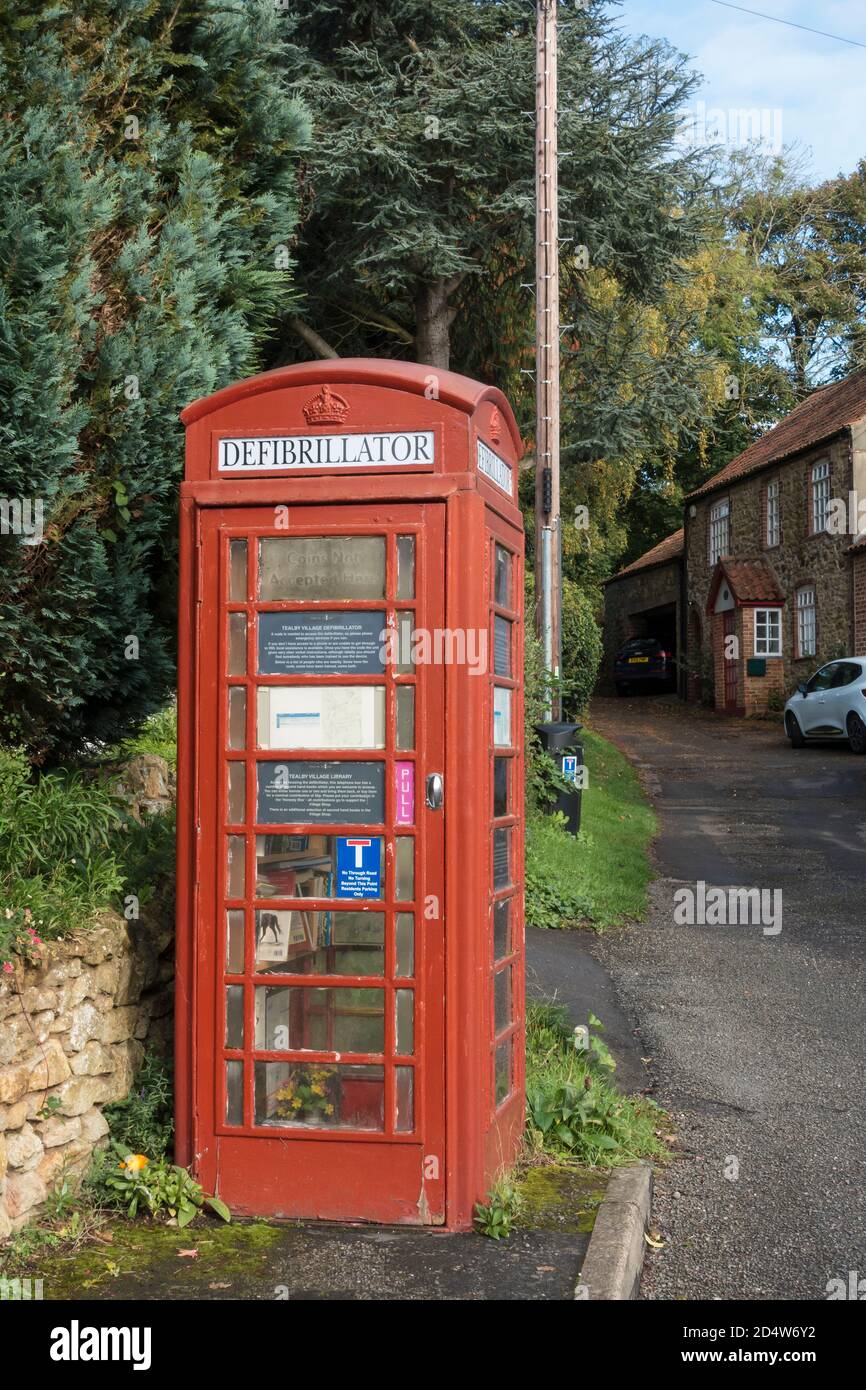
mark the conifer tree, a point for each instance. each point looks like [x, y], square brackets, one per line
[148, 157]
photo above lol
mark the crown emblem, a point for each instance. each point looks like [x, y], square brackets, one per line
[326, 409]
[495, 425]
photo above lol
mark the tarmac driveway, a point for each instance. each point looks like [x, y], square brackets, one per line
[756, 1039]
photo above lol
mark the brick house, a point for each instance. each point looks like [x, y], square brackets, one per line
[774, 557]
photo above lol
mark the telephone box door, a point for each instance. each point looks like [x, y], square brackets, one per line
[319, 971]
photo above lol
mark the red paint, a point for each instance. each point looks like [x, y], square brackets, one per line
[386, 1165]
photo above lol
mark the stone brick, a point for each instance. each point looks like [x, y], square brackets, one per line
[47, 1066]
[38, 998]
[127, 1059]
[59, 1129]
[67, 1163]
[23, 1148]
[62, 971]
[94, 1059]
[80, 1093]
[13, 1083]
[120, 1024]
[4, 1161]
[87, 1022]
[24, 1191]
[13, 1116]
[94, 1126]
[106, 975]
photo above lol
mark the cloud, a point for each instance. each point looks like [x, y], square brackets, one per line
[747, 63]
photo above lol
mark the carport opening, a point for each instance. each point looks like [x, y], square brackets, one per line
[658, 622]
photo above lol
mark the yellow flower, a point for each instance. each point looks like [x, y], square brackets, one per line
[134, 1163]
[317, 1090]
[329, 1109]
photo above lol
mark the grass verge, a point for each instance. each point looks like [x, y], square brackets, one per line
[600, 878]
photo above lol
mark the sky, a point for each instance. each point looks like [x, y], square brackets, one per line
[806, 89]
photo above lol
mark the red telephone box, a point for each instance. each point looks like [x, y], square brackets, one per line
[350, 975]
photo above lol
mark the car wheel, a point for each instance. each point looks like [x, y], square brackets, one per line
[793, 730]
[856, 733]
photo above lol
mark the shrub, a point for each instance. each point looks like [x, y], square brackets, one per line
[581, 650]
[58, 845]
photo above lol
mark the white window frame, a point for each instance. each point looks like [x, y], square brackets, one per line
[769, 641]
[807, 620]
[820, 495]
[720, 529]
[773, 534]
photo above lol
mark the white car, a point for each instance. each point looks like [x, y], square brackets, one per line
[832, 705]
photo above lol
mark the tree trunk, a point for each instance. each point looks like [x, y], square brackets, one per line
[433, 319]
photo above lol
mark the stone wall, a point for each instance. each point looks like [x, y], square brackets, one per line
[73, 1033]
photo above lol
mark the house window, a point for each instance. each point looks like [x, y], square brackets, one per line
[806, 624]
[820, 496]
[773, 517]
[768, 632]
[720, 530]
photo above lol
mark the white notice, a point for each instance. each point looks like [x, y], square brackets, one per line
[267, 453]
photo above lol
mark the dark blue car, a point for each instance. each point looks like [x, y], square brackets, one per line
[642, 661]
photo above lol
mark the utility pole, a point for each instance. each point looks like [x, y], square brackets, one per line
[548, 550]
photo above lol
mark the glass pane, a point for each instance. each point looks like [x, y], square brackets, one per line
[405, 566]
[234, 941]
[320, 793]
[404, 1078]
[322, 642]
[319, 866]
[503, 1070]
[501, 716]
[321, 567]
[237, 644]
[310, 1018]
[404, 1021]
[237, 775]
[405, 717]
[502, 646]
[405, 637]
[237, 716]
[502, 929]
[236, 868]
[234, 1015]
[500, 786]
[234, 1093]
[319, 1097]
[405, 868]
[329, 716]
[502, 999]
[238, 572]
[310, 942]
[405, 944]
[502, 578]
[501, 858]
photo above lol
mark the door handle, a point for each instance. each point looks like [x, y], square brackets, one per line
[435, 791]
